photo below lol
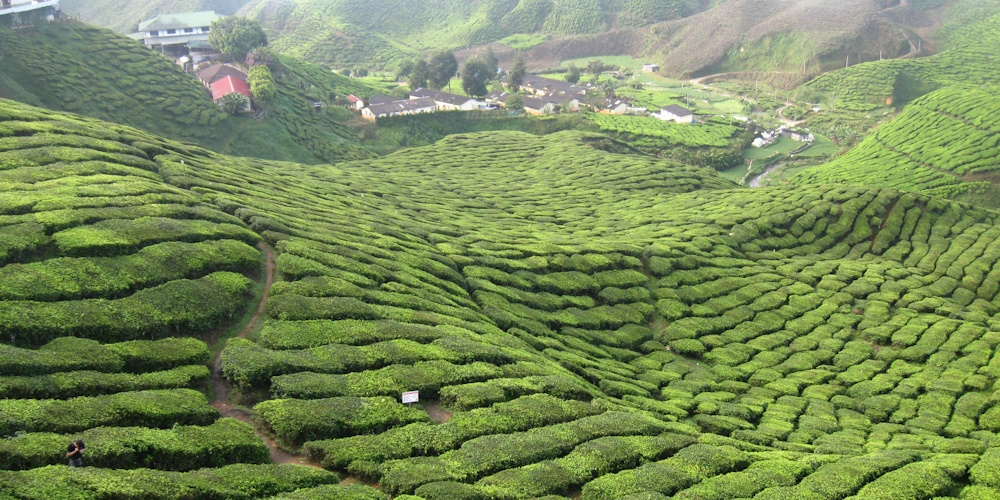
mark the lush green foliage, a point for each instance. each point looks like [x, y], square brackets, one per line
[226, 441]
[342, 34]
[593, 321]
[236, 36]
[711, 134]
[233, 481]
[942, 144]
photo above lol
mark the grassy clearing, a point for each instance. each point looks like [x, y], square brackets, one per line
[524, 42]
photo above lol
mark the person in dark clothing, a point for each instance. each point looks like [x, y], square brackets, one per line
[74, 452]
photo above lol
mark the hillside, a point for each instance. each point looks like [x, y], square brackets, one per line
[945, 143]
[760, 35]
[145, 90]
[578, 322]
[124, 16]
[377, 34]
[968, 61]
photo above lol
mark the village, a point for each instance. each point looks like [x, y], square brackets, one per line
[184, 38]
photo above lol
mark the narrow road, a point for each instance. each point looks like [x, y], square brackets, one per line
[220, 385]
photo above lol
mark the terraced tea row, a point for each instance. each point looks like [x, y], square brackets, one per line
[610, 324]
[944, 143]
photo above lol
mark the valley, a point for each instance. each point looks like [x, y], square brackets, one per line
[724, 277]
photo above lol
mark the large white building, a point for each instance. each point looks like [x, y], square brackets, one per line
[189, 29]
[19, 12]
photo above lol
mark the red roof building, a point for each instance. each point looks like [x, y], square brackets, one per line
[228, 85]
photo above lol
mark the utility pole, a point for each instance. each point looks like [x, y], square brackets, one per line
[848, 63]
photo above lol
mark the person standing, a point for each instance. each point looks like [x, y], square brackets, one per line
[75, 453]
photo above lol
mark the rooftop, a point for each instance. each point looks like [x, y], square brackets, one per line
[401, 106]
[181, 20]
[217, 72]
[228, 85]
[438, 96]
[677, 110]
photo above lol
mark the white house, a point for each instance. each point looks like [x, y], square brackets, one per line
[11, 10]
[398, 108]
[189, 29]
[446, 101]
[676, 113]
[614, 107]
[650, 67]
[355, 102]
[536, 106]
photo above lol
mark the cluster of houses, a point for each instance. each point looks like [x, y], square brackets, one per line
[769, 137]
[538, 95]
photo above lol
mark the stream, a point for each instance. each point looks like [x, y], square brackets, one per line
[755, 182]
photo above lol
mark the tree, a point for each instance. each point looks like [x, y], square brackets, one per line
[236, 36]
[475, 75]
[234, 103]
[443, 66]
[260, 56]
[262, 84]
[574, 74]
[492, 63]
[517, 73]
[595, 67]
[420, 74]
[515, 103]
[403, 70]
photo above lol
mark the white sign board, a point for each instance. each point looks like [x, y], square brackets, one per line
[411, 397]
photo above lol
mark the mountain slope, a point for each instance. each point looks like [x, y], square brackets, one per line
[61, 68]
[124, 16]
[376, 34]
[614, 325]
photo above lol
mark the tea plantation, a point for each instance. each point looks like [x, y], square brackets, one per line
[945, 143]
[578, 323]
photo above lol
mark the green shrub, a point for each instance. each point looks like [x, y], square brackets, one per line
[296, 421]
[180, 448]
[160, 409]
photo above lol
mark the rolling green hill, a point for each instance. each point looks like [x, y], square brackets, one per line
[969, 61]
[74, 67]
[945, 143]
[578, 322]
[379, 33]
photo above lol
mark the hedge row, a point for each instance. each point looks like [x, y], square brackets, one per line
[81, 278]
[689, 466]
[246, 363]
[120, 236]
[239, 481]
[479, 394]
[589, 460]
[178, 306]
[427, 377]
[296, 421]
[72, 353]
[334, 492]
[226, 441]
[421, 439]
[89, 383]
[493, 453]
[315, 333]
[160, 409]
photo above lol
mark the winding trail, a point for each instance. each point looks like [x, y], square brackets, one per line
[221, 387]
